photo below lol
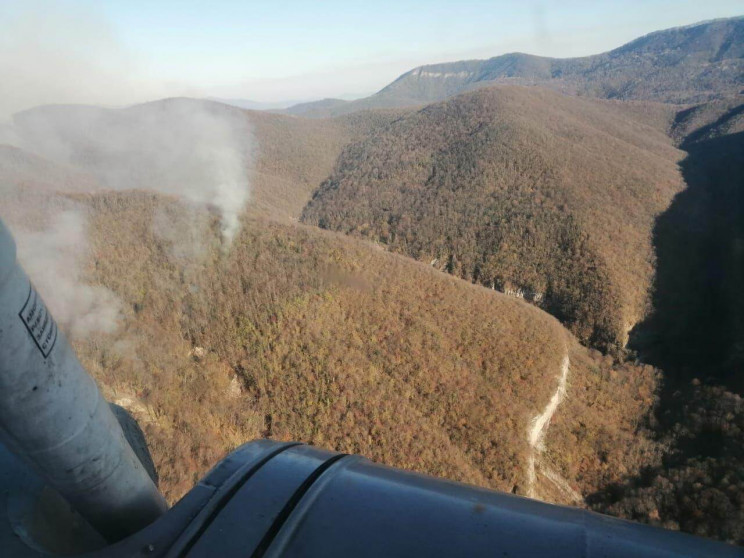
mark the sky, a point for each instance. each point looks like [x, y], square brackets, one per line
[120, 52]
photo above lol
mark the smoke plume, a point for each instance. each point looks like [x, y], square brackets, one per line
[51, 235]
[197, 150]
[54, 257]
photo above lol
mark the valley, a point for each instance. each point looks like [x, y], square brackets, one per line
[520, 273]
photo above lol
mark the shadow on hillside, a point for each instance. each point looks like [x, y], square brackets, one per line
[696, 337]
[697, 330]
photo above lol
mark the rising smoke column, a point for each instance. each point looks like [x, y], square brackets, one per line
[51, 234]
[197, 150]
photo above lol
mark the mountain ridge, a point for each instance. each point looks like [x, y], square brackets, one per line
[297, 332]
[508, 187]
[683, 65]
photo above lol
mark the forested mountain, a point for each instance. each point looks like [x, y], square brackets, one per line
[681, 65]
[146, 147]
[510, 187]
[297, 333]
[696, 334]
[480, 254]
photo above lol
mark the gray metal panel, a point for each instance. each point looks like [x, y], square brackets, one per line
[277, 499]
[166, 536]
[183, 524]
[248, 521]
[273, 499]
[54, 418]
[357, 508]
[225, 479]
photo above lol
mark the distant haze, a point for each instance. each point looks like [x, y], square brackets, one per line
[119, 53]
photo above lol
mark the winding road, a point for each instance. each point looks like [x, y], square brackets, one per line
[536, 439]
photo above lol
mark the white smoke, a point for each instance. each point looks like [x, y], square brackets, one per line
[52, 245]
[197, 150]
[185, 230]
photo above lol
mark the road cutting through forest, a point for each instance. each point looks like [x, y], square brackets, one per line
[536, 440]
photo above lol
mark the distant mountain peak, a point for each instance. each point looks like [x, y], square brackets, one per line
[683, 65]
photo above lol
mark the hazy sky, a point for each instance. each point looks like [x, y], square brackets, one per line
[123, 51]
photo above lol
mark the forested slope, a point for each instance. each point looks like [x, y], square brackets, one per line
[519, 189]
